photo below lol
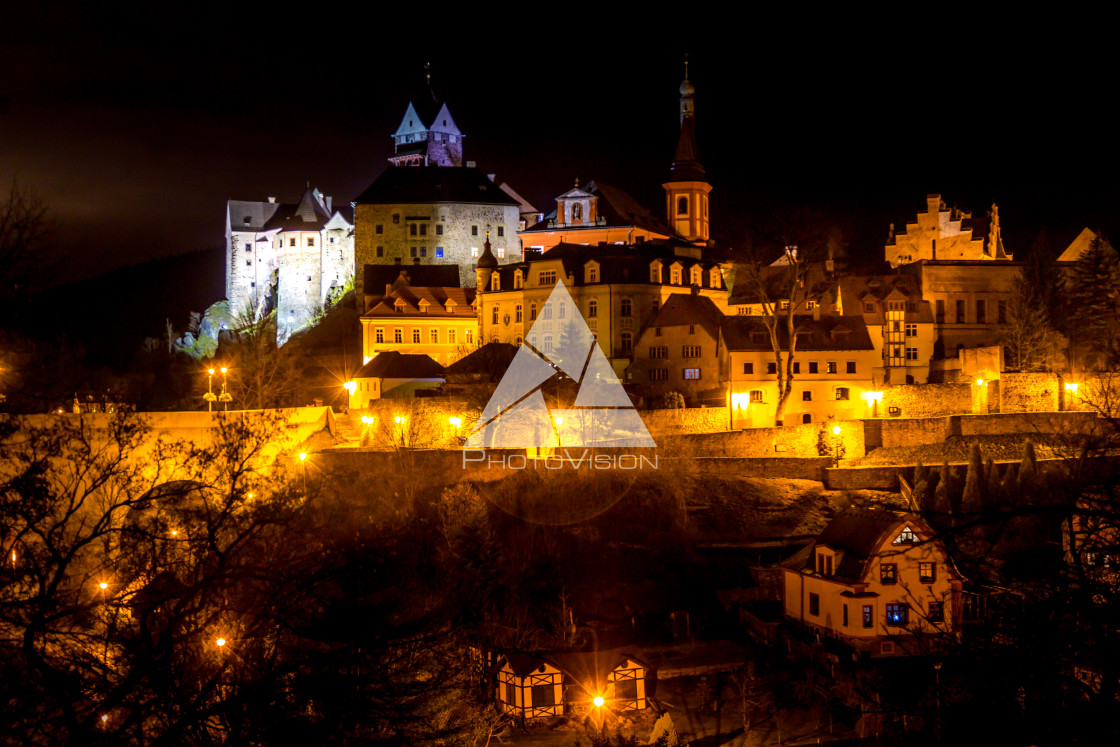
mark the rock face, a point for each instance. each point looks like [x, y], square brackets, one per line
[204, 344]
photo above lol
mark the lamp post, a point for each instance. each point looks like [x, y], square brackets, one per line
[209, 396]
[836, 446]
[1072, 389]
[303, 463]
[225, 397]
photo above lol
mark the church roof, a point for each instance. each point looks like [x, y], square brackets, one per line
[428, 184]
[686, 161]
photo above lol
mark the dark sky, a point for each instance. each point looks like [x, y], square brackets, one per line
[137, 126]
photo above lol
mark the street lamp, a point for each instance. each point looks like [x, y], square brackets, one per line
[836, 446]
[209, 396]
[598, 701]
[221, 642]
[225, 398]
[937, 678]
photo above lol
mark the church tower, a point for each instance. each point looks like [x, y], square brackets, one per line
[427, 135]
[686, 193]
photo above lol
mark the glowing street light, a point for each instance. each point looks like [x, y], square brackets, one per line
[398, 419]
[598, 701]
[350, 386]
[225, 397]
[103, 585]
[221, 642]
[303, 456]
[1072, 388]
[980, 382]
[209, 396]
[836, 446]
[457, 422]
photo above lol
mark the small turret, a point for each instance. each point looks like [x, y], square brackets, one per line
[487, 263]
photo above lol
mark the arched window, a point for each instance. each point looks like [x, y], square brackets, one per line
[592, 309]
[682, 206]
[577, 212]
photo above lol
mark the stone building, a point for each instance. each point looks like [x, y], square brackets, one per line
[681, 350]
[899, 321]
[832, 370]
[287, 257]
[435, 215]
[436, 321]
[617, 289]
[877, 580]
[943, 233]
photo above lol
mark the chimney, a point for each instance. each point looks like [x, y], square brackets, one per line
[271, 198]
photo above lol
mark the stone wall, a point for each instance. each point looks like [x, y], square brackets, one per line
[794, 441]
[926, 400]
[914, 431]
[300, 282]
[686, 420]
[903, 432]
[1029, 392]
[464, 227]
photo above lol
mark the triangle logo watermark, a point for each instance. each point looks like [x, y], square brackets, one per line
[559, 343]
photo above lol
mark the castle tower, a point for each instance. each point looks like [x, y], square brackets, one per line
[686, 193]
[486, 266]
[300, 273]
[427, 134]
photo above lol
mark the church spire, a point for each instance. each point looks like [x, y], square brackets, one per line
[687, 190]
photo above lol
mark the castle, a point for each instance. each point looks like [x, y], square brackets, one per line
[426, 208]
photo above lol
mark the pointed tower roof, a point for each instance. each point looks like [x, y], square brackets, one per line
[686, 161]
[487, 260]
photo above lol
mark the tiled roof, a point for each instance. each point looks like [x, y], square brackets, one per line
[745, 333]
[685, 308]
[428, 184]
[491, 359]
[394, 365]
[423, 301]
[245, 215]
[855, 535]
[618, 264]
[618, 208]
[376, 277]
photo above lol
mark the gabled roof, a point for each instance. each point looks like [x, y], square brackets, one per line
[1079, 246]
[428, 184]
[492, 360]
[376, 277]
[855, 535]
[245, 215]
[745, 291]
[405, 301]
[394, 365]
[614, 205]
[685, 308]
[741, 333]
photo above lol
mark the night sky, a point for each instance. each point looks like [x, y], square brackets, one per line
[137, 127]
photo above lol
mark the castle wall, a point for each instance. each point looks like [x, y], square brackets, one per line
[300, 283]
[337, 259]
[464, 228]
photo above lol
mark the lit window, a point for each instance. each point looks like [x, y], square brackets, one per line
[888, 573]
[691, 374]
[897, 614]
[501, 253]
[906, 537]
[868, 612]
[439, 251]
[830, 367]
[756, 395]
[927, 572]
[474, 252]
[842, 393]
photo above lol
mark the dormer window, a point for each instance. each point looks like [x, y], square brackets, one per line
[495, 282]
[399, 305]
[906, 537]
[825, 560]
[450, 306]
[675, 274]
[577, 212]
[591, 272]
[423, 306]
[715, 281]
[518, 280]
[695, 276]
[655, 272]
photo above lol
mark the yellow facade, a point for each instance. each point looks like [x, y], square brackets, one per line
[444, 340]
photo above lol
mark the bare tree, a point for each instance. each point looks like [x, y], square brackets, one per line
[24, 225]
[1027, 336]
[783, 292]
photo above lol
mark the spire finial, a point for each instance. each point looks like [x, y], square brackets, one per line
[686, 65]
[577, 181]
